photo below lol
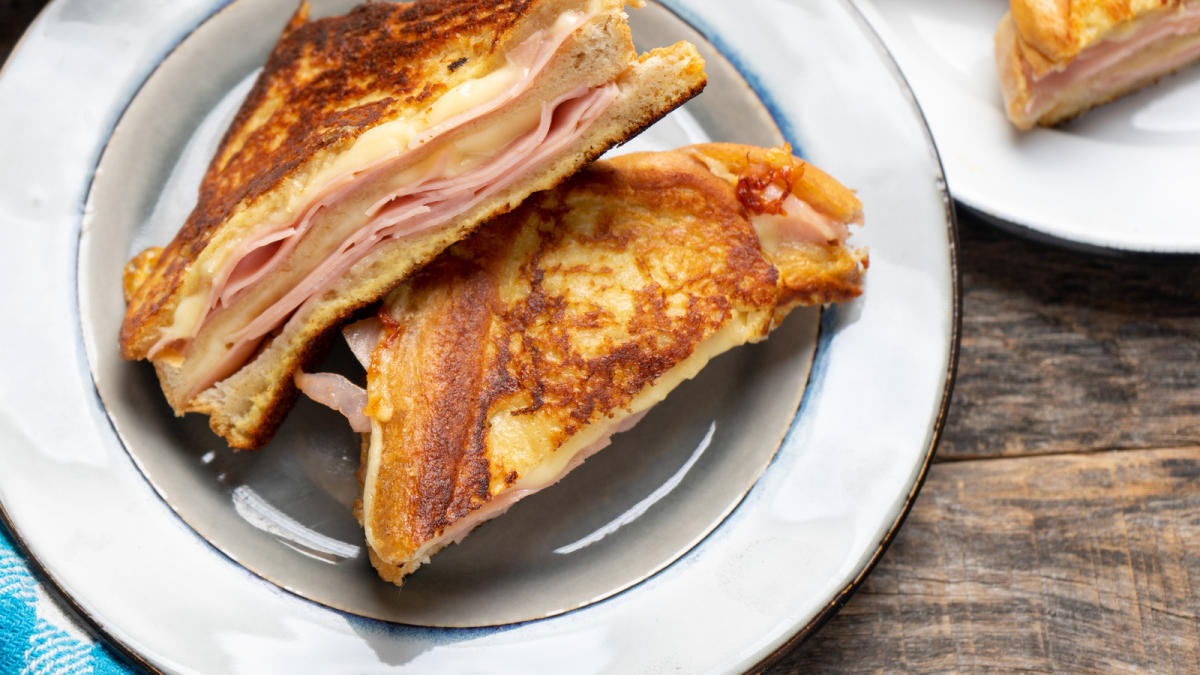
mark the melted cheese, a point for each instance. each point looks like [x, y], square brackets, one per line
[391, 140]
[342, 231]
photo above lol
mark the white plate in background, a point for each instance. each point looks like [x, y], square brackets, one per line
[1121, 177]
[780, 563]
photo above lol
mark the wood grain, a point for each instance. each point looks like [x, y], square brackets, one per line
[1067, 352]
[1066, 563]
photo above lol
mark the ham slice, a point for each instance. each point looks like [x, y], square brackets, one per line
[800, 222]
[339, 393]
[362, 338]
[433, 203]
[258, 256]
[1109, 54]
[778, 215]
[421, 207]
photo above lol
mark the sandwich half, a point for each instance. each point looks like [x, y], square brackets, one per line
[369, 143]
[518, 353]
[1057, 59]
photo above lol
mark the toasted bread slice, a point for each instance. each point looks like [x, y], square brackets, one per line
[1058, 59]
[371, 142]
[518, 352]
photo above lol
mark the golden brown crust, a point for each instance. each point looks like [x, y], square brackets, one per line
[246, 407]
[1039, 40]
[137, 270]
[1059, 29]
[1014, 83]
[449, 473]
[255, 428]
[812, 273]
[556, 317]
[324, 84]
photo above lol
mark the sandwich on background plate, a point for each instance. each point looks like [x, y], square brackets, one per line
[1057, 58]
[517, 353]
[369, 143]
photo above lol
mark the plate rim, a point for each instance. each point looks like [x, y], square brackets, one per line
[188, 515]
[969, 196]
[843, 596]
[96, 627]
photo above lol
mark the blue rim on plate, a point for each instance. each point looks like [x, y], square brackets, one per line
[838, 330]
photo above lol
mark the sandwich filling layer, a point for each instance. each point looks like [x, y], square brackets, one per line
[399, 179]
[1112, 65]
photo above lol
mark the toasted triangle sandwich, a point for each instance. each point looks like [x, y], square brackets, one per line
[1058, 59]
[519, 352]
[369, 143]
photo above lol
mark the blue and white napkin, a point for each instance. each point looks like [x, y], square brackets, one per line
[36, 636]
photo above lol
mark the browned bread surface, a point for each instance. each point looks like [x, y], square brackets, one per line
[1058, 30]
[246, 407]
[555, 318]
[1039, 38]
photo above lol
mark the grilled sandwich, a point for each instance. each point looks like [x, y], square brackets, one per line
[517, 353]
[369, 143]
[1058, 59]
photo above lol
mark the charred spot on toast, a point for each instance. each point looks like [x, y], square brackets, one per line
[505, 324]
[324, 84]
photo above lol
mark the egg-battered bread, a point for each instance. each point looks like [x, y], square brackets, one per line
[518, 352]
[369, 143]
[1056, 58]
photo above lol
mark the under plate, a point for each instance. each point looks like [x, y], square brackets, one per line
[1119, 178]
[803, 535]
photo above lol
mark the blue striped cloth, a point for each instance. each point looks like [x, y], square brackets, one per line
[36, 636]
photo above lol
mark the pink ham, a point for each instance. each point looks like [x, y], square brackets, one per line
[430, 205]
[800, 222]
[335, 391]
[257, 257]
[789, 218]
[1108, 55]
[362, 338]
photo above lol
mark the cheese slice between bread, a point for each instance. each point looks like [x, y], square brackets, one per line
[370, 143]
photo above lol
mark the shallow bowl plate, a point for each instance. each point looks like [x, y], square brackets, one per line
[671, 533]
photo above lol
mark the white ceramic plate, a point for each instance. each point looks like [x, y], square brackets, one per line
[115, 104]
[1121, 177]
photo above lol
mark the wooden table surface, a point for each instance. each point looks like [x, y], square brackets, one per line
[1059, 528]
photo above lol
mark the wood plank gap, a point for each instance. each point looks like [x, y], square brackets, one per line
[938, 459]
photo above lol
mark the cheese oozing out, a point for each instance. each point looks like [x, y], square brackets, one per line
[275, 275]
